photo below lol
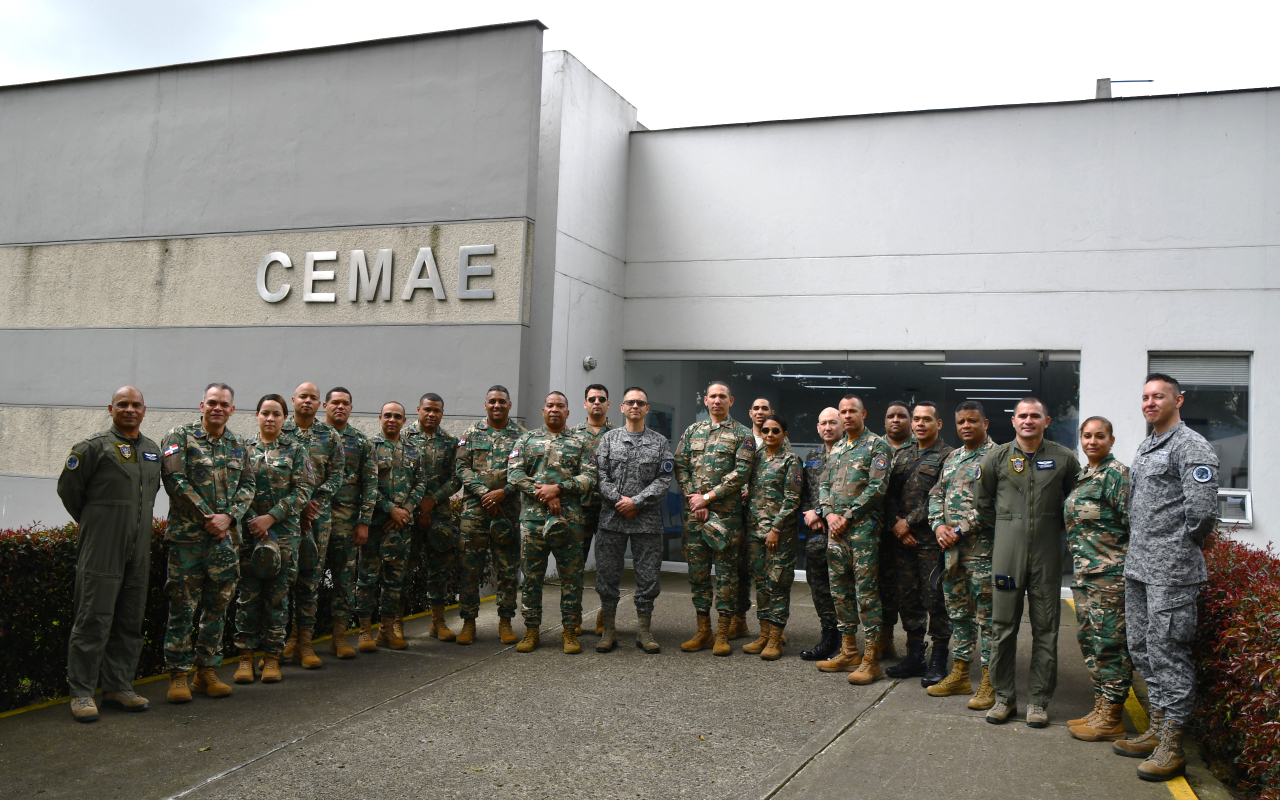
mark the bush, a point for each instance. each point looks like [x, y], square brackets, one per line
[1238, 668]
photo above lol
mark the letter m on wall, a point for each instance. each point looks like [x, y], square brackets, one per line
[365, 283]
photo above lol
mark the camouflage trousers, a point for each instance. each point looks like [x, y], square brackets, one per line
[700, 557]
[436, 539]
[476, 542]
[382, 560]
[590, 525]
[854, 561]
[890, 549]
[203, 574]
[1161, 625]
[646, 560]
[534, 549]
[341, 558]
[773, 574]
[263, 606]
[305, 591]
[742, 601]
[967, 590]
[1101, 633]
[818, 577]
[920, 592]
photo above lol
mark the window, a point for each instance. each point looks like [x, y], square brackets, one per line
[1216, 388]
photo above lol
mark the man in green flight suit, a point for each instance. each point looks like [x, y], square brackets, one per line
[1020, 491]
[108, 485]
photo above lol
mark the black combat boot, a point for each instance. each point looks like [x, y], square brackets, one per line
[913, 666]
[825, 647]
[939, 666]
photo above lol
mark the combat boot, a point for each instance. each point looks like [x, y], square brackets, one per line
[178, 691]
[388, 636]
[505, 633]
[773, 648]
[439, 628]
[846, 660]
[306, 654]
[128, 700]
[530, 640]
[937, 665]
[609, 636]
[244, 672]
[869, 671]
[367, 643]
[703, 638]
[397, 626]
[1106, 727]
[754, 647]
[338, 644]
[721, 646]
[1142, 745]
[644, 636]
[291, 646]
[1099, 704]
[83, 709]
[955, 683]
[571, 646]
[826, 647]
[985, 697]
[1168, 761]
[271, 669]
[207, 682]
[577, 625]
[599, 622]
[887, 647]
[913, 666]
[738, 627]
[468, 633]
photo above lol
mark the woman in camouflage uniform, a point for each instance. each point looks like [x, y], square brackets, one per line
[773, 498]
[284, 478]
[1097, 523]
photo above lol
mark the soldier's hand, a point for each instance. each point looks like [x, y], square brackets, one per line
[310, 511]
[218, 525]
[259, 526]
[908, 540]
[547, 492]
[697, 501]
[626, 507]
[493, 500]
[362, 534]
[836, 525]
[702, 515]
[771, 541]
[813, 520]
[425, 508]
[901, 528]
[400, 516]
[946, 535]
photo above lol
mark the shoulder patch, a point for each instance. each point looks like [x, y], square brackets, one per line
[73, 461]
[977, 473]
[514, 454]
[798, 479]
[750, 442]
[880, 463]
[668, 466]
[171, 449]
[1202, 474]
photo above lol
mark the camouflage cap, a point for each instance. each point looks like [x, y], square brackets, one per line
[556, 531]
[266, 557]
[500, 528]
[715, 533]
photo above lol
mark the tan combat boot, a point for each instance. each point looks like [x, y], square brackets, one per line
[397, 626]
[439, 628]
[505, 633]
[530, 641]
[887, 648]
[1106, 727]
[207, 681]
[128, 700]
[869, 671]
[1099, 704]
[846, 659]
[1168, 761]
[754, 647]
[388, 636]
[644, 636]
[721, 646]
[468, 633]
[271, 669]
[1144, 744]
[703, 638]
[306, 655]
[985, 697]
[291, 646]
[338, 644]
[773, 649]
[600, 622]
[955, 683]
[609, 636]
[83, 709]
[178, 691]
[571, 646]
[577, 625]
[738, 627]
[367, 643]
[244, 672]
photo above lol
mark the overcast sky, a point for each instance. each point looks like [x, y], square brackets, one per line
[699, 63]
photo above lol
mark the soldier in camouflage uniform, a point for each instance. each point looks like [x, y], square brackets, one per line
[553, 470]
[596, 404]
[382, 557]
[897, 434]
[490, 514]
[713, 463]
[1097, 519]
[285, 479]
[761, 409]
[773, 499]
[966, 578]
[852, 498]
[324, 446]
[915, 470]
[209, 479]
[433, 522]
[352, 510]
[818, 576]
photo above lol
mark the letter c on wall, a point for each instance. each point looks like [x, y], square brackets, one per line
[267, 261]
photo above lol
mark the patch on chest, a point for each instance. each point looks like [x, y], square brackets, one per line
[126, 451]
[1047, 463]
[1018, 464]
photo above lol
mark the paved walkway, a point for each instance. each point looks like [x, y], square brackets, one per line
[444, 721]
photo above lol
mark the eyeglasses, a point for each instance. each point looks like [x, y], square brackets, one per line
[771, 430]
[599, 400]
[634, 403]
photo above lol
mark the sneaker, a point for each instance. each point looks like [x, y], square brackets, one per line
[1000, 713]
[1037, 716]
[83, 709]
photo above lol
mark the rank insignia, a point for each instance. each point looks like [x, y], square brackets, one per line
[126, 451]
[1018, 464]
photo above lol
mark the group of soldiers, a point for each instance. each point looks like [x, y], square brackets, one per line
[899, 527]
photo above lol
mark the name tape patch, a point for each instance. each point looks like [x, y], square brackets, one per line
[150, 456]
[1047, 463]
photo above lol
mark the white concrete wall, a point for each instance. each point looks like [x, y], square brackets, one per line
[1114, 228]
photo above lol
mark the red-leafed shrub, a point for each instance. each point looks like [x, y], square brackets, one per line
[1237, 719]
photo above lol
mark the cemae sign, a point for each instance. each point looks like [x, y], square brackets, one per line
[375, 284]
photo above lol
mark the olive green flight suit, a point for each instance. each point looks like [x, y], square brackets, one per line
[1021, 495]
[108, 485]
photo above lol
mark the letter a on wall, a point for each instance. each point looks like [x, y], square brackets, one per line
[417, 280]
